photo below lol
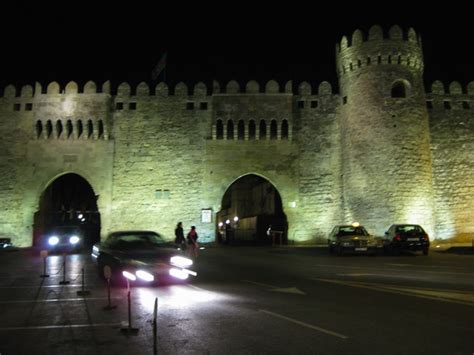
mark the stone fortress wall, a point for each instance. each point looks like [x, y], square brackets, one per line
[157, 155]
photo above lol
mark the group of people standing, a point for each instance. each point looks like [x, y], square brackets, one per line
[192, 246]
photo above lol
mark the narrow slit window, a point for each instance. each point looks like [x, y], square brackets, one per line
[263, 130]
[68, 128]
[39, 129]
[284, 129]
[219, 130]
[230, 129]
[79, 128]
[252, 130]
[241, 130]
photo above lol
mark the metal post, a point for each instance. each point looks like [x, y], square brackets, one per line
[83, 292]
[44, 254]
[155, 326]
[64, 282]
[129, 329]
[109, 305]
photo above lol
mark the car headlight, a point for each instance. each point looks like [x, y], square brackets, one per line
[181, 261]
[144, 275]
[53, 240]
[74, 239]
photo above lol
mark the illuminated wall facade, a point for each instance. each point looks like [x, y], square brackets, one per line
[381, 151]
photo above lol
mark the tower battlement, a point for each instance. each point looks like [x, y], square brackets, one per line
[399, 48]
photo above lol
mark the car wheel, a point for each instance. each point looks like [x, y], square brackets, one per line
[425, 251]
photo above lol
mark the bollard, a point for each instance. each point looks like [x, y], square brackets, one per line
[64, 282]
[129, 329]
[44, 255]
[155, 327]
[108, 276]
[83, 292]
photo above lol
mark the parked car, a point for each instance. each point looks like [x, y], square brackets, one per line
[145, 254]
[401, 237]
[63, 239]
[353, 238]
[5, 243]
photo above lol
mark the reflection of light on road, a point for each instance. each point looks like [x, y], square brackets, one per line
[176, 296]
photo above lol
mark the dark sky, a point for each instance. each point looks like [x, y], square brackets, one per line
[231, 40]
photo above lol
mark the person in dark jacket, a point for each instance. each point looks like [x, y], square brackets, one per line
[193, 246]
[179, 236]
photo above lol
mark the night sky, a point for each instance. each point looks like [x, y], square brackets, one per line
[236, 40]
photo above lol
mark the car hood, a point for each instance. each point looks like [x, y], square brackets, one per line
[147, 257]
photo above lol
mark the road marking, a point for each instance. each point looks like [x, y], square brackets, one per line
[307, 325]
[61, 300]
[453, 296]
[63, 326]
[292, 290]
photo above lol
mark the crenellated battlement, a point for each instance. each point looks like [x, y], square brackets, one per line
[162, 89]
[397, 48]
[456, 97]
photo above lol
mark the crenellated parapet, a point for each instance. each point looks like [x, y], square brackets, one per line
[397, 48]
[161, 89]
[450, 97]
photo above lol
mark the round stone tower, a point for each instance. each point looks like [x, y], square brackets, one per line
[386, 159]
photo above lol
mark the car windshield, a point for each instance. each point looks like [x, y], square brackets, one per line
[409, 228]
[136, 241]
[351, 230]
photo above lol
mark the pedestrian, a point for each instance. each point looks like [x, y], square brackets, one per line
[179, 236]
[193, 246]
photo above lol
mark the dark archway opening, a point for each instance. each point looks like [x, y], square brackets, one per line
[68, 201]
[249, 206]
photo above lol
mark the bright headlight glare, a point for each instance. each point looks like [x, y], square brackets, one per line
[180, 274]
[74, 239]
[53, 240]
[181, 261]
[129, 275]
[146, 276]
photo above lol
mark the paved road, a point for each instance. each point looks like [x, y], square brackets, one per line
[247, 301]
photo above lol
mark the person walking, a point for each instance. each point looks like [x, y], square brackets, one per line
[179, 236]
[193, 246]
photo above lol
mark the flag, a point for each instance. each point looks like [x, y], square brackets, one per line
[159, 67]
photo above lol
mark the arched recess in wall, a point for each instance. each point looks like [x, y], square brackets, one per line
[69, 200]
[219, 130]
[252, 130]
[248, 207]
[400, 88]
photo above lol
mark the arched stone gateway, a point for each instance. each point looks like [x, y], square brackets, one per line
[250, 205]
[69, 200]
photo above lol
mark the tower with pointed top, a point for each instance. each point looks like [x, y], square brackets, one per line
[385, 142]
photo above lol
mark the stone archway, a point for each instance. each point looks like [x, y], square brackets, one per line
[69, 200]
[249, 206]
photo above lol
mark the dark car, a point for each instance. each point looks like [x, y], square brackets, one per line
[353, 238]
[401, 237]
[5, 243]
[63, 239]
[145, 254]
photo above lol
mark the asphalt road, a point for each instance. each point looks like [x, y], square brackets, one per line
[246, 301]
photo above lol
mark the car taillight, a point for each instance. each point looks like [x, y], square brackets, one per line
[397, 238]
[426, 237]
